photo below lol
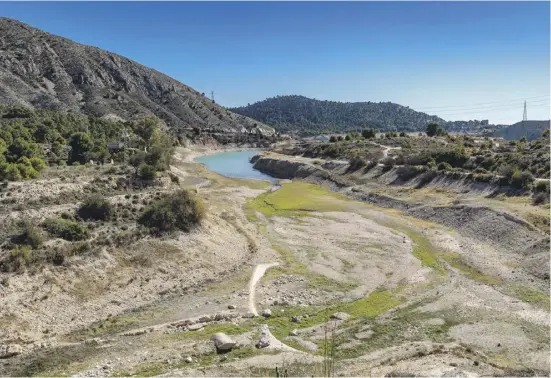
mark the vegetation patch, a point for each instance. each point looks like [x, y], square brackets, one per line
[95, 208]
[455, 260]
[298, 197]
[529, 295]
[210, 330]
[178, 211]
[66, 229]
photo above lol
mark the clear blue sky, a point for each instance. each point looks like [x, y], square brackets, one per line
[461, 60]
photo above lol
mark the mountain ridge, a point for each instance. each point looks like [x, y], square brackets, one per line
[289, 112]
[42, 70]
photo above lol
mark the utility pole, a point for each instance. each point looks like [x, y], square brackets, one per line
[524, 116]
[212, 95]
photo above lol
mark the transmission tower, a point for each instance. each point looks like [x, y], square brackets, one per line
[212, 95]
[524, 116]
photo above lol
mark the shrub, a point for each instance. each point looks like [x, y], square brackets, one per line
[17, 259]
[95, 208]
[444, 166]
[540, 198]
[408, 172]
[147, 172]
[174, 178]
[522, 179]
[356, 163]
[30, 236]
[181, 210]
[66, 229]
[332, 139]
[541, 187]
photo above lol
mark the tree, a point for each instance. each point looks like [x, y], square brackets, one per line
[368, 133]
[332, 139]
[81, 144]
[433, 129]
[147, 129]
[136, 160]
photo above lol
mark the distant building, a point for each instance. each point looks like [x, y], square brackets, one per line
[115, 146]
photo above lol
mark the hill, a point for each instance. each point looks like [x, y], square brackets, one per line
[299, 113]
[41, 70]
[530, 129]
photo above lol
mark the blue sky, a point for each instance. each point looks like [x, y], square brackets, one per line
[459, 60]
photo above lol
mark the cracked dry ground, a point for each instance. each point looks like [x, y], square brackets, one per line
[419, 297]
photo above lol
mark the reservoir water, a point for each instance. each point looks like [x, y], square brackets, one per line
[234, 164]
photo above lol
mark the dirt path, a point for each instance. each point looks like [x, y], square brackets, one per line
[258, 272]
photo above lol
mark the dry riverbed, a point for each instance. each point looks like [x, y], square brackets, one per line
[351, 289]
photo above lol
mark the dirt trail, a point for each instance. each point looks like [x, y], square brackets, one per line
[258, 272]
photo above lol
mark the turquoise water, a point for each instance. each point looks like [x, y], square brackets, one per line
[234, 164]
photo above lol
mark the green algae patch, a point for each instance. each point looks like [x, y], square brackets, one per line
[298, 197]
[529, 295]
[375, 304]
[210, 330]
[455, 260]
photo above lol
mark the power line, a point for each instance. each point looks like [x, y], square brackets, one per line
[480, 103]
[537, 102]
[516, 109]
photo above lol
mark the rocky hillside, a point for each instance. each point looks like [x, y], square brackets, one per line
[41, 70]
[299, 113]
[529, 129]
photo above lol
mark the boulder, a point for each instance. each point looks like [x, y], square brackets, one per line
[263, 342]
[267, 313]
[196, 326]
[296, 319]
[231, 307]
[223, 342]
[7, 351]
[293, 333]
[340, 316]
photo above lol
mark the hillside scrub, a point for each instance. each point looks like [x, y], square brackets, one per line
[66, 229]
[178, 211]
[29, 236]
[32, 139]
[95, 208]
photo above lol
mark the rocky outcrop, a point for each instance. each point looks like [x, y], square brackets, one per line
[38, 69]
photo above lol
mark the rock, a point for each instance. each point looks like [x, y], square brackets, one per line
[293, 333]
[205, 319]
[196, 326]
[340, 316]
[267, 313]
[231, 307]
[249, 315]
[296, 319]
[188, 359]
[7, 351]
[223, 342]
[263, 342]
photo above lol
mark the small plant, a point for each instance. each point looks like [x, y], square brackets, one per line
[95, 208]
[30, 236]
[17, 259]
[66, 229]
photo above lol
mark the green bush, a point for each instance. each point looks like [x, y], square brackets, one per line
[444, 166]
[180, 210]
[541, 186]
[66, 229]
[30, 236]
[522, 179]
[95, 208]
[147, 172]
[17, 259]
